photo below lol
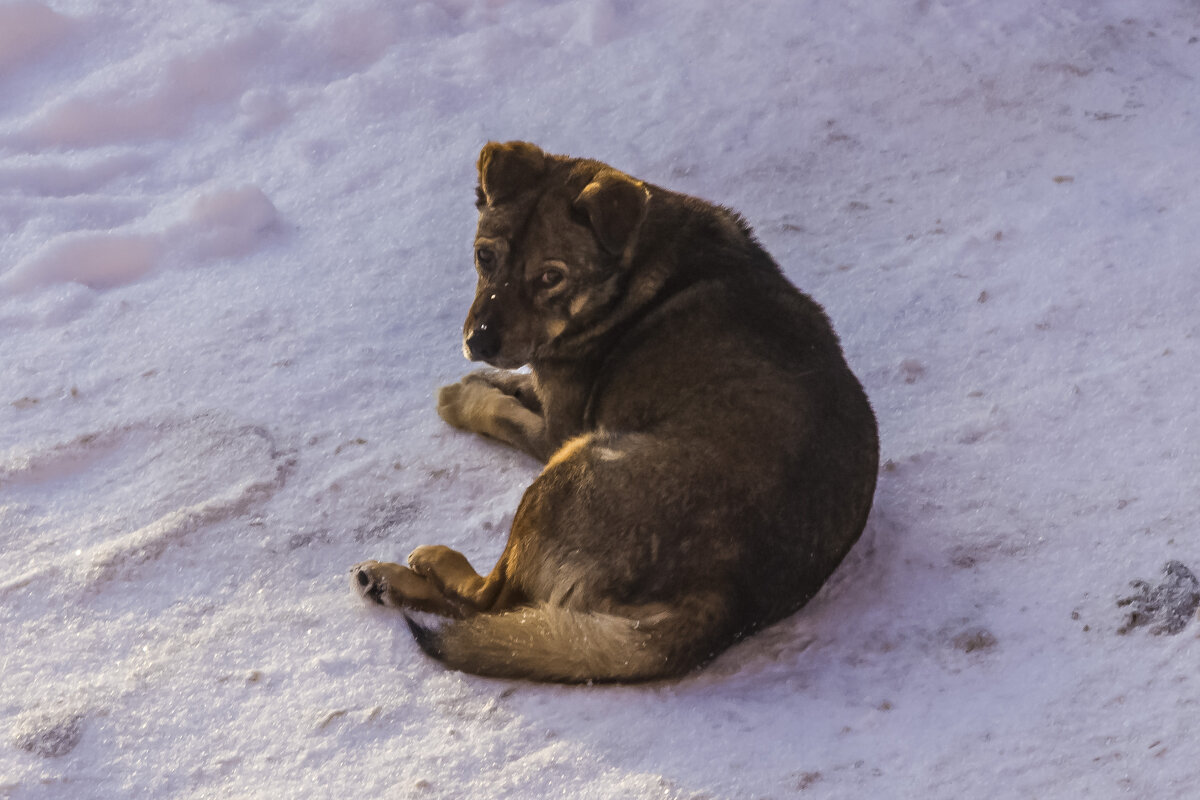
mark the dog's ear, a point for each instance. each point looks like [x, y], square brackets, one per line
[615, 205]
[508, 169]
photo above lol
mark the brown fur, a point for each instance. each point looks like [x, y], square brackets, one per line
[709, 456]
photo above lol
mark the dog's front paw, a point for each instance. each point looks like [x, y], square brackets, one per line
[449, 407]
[517, 385]
[467, 404]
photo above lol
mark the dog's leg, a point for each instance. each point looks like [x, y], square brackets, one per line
[517, 384]
[450, 572]
[399, 587]
[498, 406]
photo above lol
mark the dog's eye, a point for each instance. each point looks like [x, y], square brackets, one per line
[485, 257]
[550, 278]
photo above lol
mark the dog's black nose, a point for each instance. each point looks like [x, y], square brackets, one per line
[483, 343]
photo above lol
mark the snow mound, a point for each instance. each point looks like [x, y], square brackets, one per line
[27, 30]
[215, 223]
[161, 103]
[54, 177]
[97, 260]
[222, 223]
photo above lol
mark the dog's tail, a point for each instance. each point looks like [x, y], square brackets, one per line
[550, 643]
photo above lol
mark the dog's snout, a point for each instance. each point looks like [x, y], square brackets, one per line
[483, 343]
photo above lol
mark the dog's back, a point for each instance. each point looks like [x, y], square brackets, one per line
[742, 381]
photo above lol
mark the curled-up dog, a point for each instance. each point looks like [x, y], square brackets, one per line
[709, 456]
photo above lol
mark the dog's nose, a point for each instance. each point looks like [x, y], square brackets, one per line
[483, 343]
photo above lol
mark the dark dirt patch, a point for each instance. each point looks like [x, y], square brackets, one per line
[1166, 608]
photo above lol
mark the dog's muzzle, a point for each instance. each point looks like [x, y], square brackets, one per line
[483, 343]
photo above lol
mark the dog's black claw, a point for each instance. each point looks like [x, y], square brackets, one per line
[427, 638]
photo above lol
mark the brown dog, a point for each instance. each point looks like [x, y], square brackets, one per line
[710, 458]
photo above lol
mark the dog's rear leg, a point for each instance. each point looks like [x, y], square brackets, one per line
[498, 406]
[450, 572]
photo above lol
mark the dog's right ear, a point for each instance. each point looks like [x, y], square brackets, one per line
[507, 169]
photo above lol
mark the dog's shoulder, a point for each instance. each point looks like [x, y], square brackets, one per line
[720, 287]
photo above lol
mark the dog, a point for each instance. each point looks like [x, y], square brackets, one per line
[709, 456]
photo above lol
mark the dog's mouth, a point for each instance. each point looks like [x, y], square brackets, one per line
[503, 363]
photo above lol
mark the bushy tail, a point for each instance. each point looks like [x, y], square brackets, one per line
[551, 643]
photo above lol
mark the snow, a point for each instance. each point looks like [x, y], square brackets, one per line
[234, 263]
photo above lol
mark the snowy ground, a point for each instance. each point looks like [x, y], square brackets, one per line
[234, 259]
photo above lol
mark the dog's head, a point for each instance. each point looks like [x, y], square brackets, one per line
[555, 236]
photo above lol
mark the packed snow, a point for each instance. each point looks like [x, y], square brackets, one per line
[234, 263]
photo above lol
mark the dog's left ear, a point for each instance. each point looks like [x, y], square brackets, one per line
[615, 205]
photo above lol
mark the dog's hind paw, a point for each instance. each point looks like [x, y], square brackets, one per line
[398, 586]
[370, 582]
